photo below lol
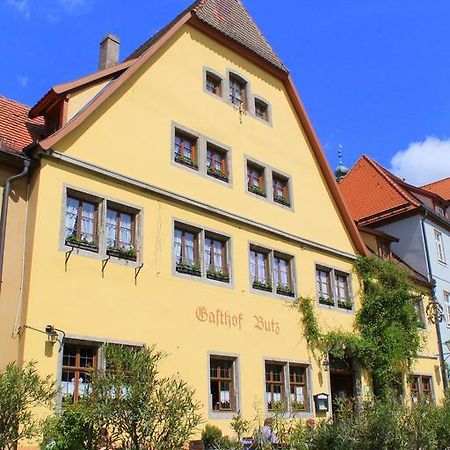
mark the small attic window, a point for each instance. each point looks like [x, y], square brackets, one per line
[261, 109]
[213, 84]
[238, 91]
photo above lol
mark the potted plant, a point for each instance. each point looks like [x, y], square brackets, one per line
[285, 290]
[189, 268]
[262, 285]
[282, 200]
[217, 173]
[75, 241]
[218, 274]
[256, 190]
[326, 301]
[345, 304]
[185, 160]
[123, 253]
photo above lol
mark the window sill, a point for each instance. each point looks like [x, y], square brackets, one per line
[224, 278]
[186, 162]
[336, 309]
[189, 271]
[256, 191]
[286, 292]
[217, 174]
[282, 201]
[121, 255]
[262, 287]
[82, 245]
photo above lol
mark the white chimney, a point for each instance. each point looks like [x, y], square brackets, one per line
[109, 51]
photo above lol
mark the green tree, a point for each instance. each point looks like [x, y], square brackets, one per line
[21, 390]
[130, 405]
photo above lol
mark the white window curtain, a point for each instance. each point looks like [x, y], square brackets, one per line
[177, 243]
[189, 244]
[261, 267]
[87, 222]
[126, 235]
[111, 228]
[71, 216]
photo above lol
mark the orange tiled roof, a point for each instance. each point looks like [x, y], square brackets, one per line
[441, 188]
[16, 129]
[370, 190]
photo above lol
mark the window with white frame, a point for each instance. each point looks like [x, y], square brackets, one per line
[286, 387]
[333, 287]
[439, 246]
[222, 384]
[271, 271]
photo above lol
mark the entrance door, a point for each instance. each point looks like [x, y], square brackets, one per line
[342, 387]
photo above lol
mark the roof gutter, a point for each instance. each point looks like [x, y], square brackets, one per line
[4, 212]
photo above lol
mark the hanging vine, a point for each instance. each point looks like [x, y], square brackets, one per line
[386, 338]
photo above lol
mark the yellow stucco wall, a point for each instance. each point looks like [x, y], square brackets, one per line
[10, 294]
[80, 98]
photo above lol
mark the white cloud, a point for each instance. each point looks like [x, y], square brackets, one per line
[73, 6]
[22, 6]
[22, 80]
[423, 162]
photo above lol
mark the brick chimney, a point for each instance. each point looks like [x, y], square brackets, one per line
[109, 51]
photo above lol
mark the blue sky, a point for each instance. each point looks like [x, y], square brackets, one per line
[374, 75]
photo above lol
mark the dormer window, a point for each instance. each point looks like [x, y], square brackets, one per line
[238, 91]
[440, 209]
[384, 249]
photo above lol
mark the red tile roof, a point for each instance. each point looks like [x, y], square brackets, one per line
[230, 18]
[16, 129]
[441, 188]
[369, 191]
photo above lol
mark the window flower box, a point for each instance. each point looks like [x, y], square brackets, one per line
[186, 161]
[122, 253]
[256, 190]
[326, 301]
[285, 290]
[216, 173]
[189, 269]
[218, 275]
[74, 241]
[281, 200]
[298, 406]
[262, 285]
[346, 304]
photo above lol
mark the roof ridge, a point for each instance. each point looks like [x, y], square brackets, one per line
[424, 186]
[392, 180]
[15, 101]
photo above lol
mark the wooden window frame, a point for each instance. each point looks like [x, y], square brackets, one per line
[223, 174]
[287, 290]
[381, 245]
[338, 298]
[219, 379]
[221, 274]
[181, 158]
[256, 283]
[284, 198]
[77, 369]
[182, 267]
[82, 199]
[217, 83]
[261, 188]
[242, 86]
[319, 283]
[419, 391]
[333, 287]
[117, 251]
[303, 385]
[271, 384]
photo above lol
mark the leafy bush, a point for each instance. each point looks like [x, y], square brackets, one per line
[211, 436]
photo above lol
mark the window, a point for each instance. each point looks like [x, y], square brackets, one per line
[440, 209]
[213, 84]
[259, 269]
[421, 389]
[280, 190]
[120, 234]
[439, 245]
[186, 252]
[447, 306]
[185, 151]
[282, 277]
[255, 179]
[384, 249]
[286, 387]
[261, 109]
[418, 308]
[216, 258]
[78, 362]
[222, 384]
[333, 288]
[81, 223]
[237, 91]
[216, 162]
[265, 279]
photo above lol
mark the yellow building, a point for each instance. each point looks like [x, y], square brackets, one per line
[183, 200]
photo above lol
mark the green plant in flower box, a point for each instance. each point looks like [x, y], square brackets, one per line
[256, 190]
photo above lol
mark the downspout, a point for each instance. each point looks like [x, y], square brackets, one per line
[436, 312]
[4, 213]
